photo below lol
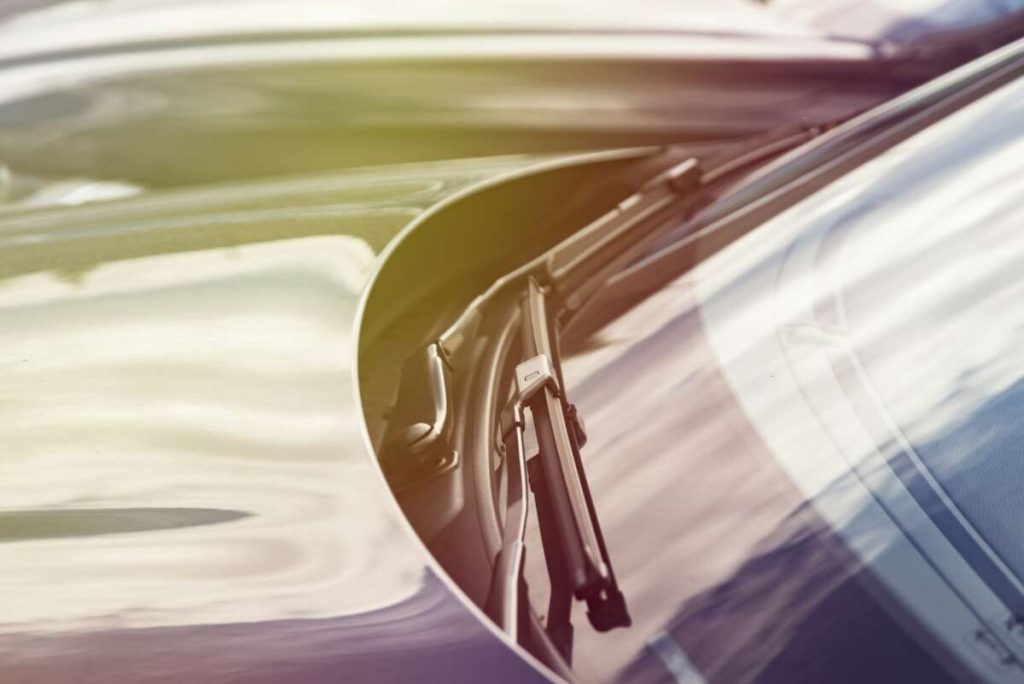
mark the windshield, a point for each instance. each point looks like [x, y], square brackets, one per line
[896, 20]
[804, 451]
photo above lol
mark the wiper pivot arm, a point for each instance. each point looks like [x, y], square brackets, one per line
[570, 531]
[560, 484]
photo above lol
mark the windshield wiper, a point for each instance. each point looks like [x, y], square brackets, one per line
[542, 294]
[574, 548]
[414, 447]
[551, 289]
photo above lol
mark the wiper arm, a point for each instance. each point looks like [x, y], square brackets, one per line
[574, 547]
[540, 389]
[579, 264]
[416, 445]
[414, 448]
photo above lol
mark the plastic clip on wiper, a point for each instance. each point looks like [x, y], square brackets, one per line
[577, 559]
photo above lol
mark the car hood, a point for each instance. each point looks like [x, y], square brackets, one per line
[187, 495]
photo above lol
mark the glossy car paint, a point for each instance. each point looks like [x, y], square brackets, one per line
[186, 493]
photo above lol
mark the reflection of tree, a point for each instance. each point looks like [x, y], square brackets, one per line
[795, 611]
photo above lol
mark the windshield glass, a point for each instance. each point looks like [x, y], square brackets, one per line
[804, 452]
[896, 20]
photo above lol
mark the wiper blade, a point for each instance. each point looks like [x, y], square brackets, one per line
[560, 435]
[574, 547]
[549, 289]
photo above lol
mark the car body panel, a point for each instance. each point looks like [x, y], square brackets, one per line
[186, 492]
